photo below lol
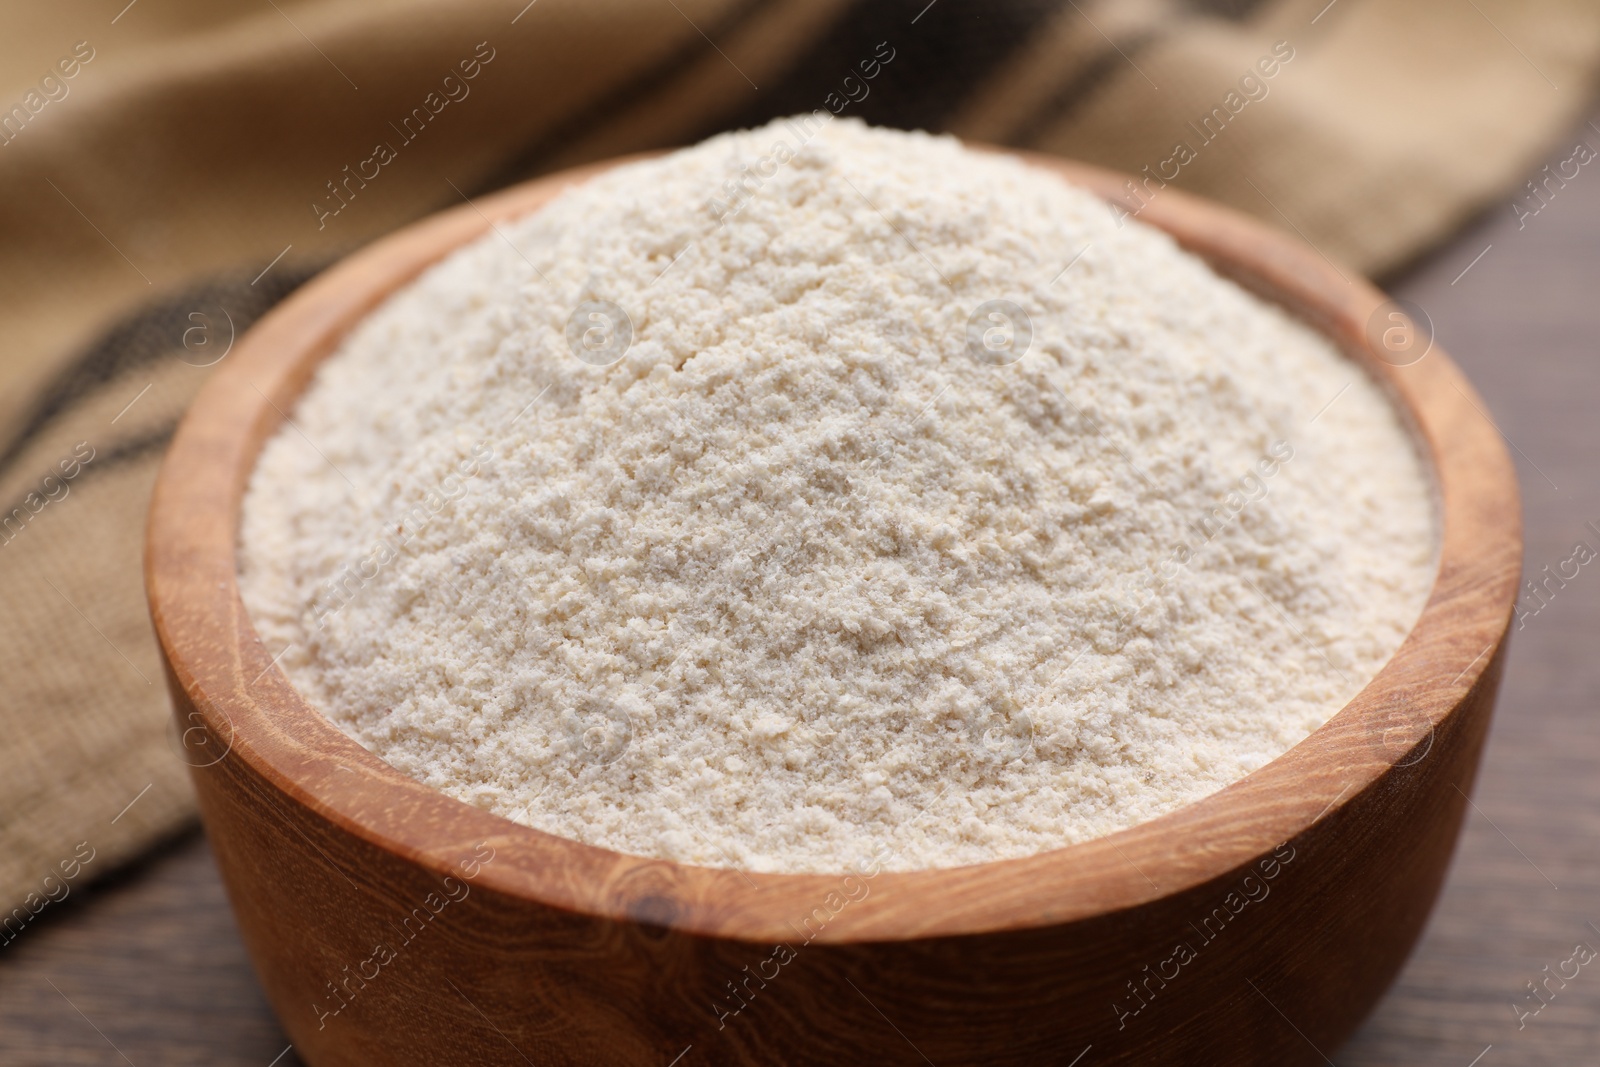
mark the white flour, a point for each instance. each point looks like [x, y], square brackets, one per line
[799, 579]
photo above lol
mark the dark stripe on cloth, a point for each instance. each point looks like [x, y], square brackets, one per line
[148, 335]
[1232, 10]
[126, 452]
[1077, 89]
[953, 46]
[534, 158]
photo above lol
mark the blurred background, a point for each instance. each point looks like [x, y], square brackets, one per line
[170, 169]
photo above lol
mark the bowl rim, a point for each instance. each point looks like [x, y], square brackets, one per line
[252, 714]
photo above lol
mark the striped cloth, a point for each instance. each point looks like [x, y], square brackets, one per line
[170, 171]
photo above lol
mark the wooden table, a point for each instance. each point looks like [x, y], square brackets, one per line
[148, 969]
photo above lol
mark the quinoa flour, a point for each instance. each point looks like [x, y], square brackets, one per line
[818, 570]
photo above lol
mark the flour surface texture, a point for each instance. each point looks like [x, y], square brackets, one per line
[814, 570]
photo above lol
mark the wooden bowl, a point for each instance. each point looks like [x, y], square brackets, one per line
[391, 924]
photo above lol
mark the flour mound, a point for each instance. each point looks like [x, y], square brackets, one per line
[817, 572]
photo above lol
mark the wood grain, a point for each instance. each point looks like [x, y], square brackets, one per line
[584, 954]
[147, 965]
